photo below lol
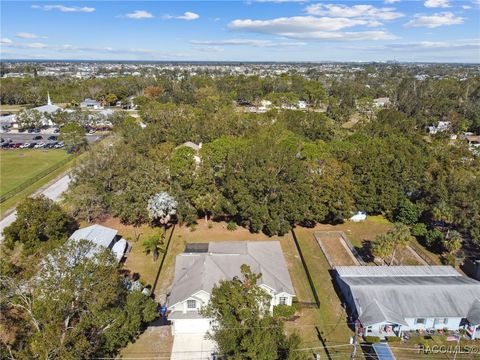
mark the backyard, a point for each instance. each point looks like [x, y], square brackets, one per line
[21, 165]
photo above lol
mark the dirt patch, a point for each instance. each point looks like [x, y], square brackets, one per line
[155, 342]
[335, 249]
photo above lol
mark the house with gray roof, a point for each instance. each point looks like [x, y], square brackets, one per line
[91, 104]
[201, 267]
[103, 237]
[388, 300]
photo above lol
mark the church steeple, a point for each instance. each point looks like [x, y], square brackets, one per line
[49, 102]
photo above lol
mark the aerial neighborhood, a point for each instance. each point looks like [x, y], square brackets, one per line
[190, 215]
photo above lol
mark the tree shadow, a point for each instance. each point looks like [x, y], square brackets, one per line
[365, 251]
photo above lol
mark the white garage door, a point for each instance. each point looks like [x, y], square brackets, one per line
[190, 326]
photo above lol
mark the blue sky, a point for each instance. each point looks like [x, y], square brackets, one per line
[262, 30]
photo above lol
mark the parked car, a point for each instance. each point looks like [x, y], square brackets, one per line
[31, 145]
[56, 131]
[52, 137]
[4, 145]
[36, 131]
[60, 145]
[24, 145]
[17, 145]
[40, 145]
[50, 146]
[37, 137]
[2, 140]
[92, 131]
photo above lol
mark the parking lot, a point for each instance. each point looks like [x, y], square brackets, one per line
[43, 139]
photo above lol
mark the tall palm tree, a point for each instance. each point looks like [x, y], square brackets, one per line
[401, 238]
[152, 245]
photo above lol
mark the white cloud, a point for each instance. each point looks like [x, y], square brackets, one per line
[139, 14]
[10, 43]
[247, 42]
[187, 15]
[310, 27]
[26, 35]
[466, 7]
[63, 8]
[354, 11]
[435, 20]
[391, 1]
[436, 3]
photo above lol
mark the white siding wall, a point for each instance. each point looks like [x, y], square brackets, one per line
[430, 323]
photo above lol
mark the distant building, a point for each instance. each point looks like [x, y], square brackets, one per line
[302, 105]
[381, 102]
[443, 126]
[7, 122]
[48, 109]
[195, 148]
[91, 104]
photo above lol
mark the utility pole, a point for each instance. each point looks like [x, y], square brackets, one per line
[353, 342]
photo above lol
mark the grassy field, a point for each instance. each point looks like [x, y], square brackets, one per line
[19, 166]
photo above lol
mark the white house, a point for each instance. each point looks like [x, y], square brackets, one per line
[198, 270]
[388, 300]
[103, 237]
[91, 104]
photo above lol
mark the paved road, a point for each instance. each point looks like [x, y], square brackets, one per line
[53, 191]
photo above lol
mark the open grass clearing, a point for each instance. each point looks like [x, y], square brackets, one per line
[21, 165]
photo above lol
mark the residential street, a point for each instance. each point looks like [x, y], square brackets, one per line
[53, 191]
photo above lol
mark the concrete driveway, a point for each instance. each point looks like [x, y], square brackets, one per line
[191, 347]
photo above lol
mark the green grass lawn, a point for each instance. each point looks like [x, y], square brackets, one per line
[19, 166]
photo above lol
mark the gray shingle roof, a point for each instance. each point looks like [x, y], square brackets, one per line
[201, 271]
[410, 292]
[98, 234]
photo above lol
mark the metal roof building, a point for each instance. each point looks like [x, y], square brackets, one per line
[402, 294]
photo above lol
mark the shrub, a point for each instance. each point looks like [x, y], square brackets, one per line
[419, 230]
[449, 259]
[434, 237]
[393, 339]
[285, 311]
[406, 213]
[372, 339]
[231, 226]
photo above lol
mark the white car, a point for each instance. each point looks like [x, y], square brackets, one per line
[24, 145]
[39, 145]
